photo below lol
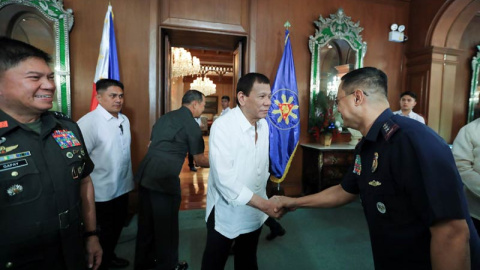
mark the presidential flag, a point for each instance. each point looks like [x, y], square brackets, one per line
[284, 116]
[107, 65]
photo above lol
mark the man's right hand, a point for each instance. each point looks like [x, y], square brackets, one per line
[284, 203]
[274, 209]
[266, 206]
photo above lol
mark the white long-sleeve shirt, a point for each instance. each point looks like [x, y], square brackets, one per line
[108, 146]
[225, 111]
[466, 150]
[238, 169]
[413, 115]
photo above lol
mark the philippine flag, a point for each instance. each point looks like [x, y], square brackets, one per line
[107, 65]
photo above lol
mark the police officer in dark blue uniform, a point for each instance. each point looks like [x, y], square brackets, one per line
[408, 183]
[47, 206]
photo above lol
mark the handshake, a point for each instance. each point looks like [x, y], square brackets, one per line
[277, 206]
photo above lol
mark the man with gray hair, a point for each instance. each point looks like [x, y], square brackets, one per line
[173, 135]
[405, 174]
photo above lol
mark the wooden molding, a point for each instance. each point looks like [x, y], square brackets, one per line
[195, 24]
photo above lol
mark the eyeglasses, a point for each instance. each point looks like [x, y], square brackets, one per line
[337, 100]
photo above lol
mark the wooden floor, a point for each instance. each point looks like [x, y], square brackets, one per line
[194, 185]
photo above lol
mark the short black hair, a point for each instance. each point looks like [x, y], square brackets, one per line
[409, 93]
[12, 52]
[192, 95]
[226, 97]
[247, 81]
[102, 84]
[369, 79]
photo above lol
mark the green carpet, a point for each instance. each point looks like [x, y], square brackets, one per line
[315, 239]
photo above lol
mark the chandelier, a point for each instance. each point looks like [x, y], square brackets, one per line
[183, 64]
[204, 85]
[220, 70]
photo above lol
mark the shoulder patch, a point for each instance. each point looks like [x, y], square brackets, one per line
[389, 128]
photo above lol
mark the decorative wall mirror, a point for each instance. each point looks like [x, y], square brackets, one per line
[336, 48]
[44, 24]
[474, 104]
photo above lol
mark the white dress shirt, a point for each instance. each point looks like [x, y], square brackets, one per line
[224, 111]
[413, 115]
[238, 169]
[466, 150]
[109, 148]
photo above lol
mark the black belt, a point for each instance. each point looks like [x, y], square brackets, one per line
[50, 226]
[62, 220]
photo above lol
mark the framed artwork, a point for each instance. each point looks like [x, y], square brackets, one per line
[211, 105]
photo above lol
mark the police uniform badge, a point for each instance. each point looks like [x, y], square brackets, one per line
[375, 162]
[65, 138]
[381, 207]
[375, 183]
[357, 168]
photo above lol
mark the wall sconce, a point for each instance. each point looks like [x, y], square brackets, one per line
[396, 35]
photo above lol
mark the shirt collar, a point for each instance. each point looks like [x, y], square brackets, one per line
[244, 123]
[7, 123]
[108, 116]
[48, 123]
[377, 125]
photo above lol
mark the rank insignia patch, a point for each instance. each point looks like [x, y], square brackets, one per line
[357, 168]
[3, 124]
[65, 138]
[388, 129]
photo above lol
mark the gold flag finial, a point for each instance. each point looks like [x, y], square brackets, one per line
[287, 25]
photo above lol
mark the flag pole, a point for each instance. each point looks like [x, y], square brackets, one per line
[287, 25]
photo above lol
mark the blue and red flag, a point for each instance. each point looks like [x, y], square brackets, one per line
[107, 65]
[284, 116]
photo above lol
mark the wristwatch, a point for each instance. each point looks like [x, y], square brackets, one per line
[91, 233]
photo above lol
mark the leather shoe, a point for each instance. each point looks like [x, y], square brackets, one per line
[193, 169]
[274, 233]
[119, 263]
[183, 265]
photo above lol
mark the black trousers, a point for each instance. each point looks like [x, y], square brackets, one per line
[157, 236]
[111, 218]
[218, 247]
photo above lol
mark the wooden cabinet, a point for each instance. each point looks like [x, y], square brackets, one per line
[324, 166]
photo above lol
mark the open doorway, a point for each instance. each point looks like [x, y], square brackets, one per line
[222, 61]
[214, 50]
